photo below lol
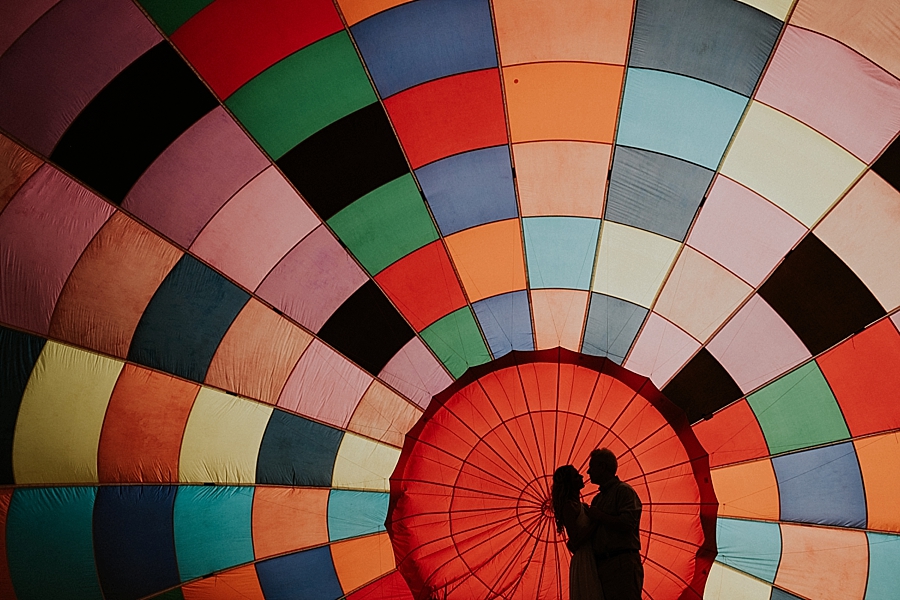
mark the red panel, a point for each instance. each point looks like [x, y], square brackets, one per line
[231, 41]
[449, 116]
[732, 435]
[423, 285]
[6, 586]
[864, 377]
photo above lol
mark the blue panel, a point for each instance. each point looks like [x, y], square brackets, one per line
[186, 319]
[469, 189]
[295, 451]
[884, 576]
[18, 354]
[352, 514]
[822, 486]
[779, 594]
[560, 251]
[134, 540]
[612, 325]
[678, 116]
[506, 322]
[753, 547]
[305, 575]
[655, 192]
[212, 528]
[49, 545]
[424, 40]
[721, 41]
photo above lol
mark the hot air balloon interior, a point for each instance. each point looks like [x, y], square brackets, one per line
[307, 299]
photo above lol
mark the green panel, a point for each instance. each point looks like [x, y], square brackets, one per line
[457, 342]
[385, 224]
[296, 97]
[798, 410]
[50, 545]
[212, 528]
[172, 14]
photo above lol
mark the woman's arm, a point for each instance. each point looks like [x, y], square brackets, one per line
[577, 535]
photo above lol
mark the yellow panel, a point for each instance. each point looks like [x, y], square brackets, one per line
[357, 10]
[384, 415]
[879, 461]
[700, 294]
[58, 427]
[725, 583]
[792, 165]
[361, 560]
[777, 8]
[362, 464]
[632, 263]
[222, 438]
[747, 490]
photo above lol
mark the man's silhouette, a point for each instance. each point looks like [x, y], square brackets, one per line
[617, 542]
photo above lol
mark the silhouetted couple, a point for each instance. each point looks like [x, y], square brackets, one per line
[604, 537]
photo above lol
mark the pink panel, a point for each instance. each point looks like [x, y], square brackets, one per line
[743, 231]
[312, 280]
[18, 17]
[558, 317]
[63, 61]
[896, 319]
[834, 90]
[195, 176]
[415, 373]
[660, 350]
[43, 232]
[255, 229]
[325, 386]
[756, 345]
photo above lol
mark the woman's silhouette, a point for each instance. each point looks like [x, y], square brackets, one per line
[568, 510]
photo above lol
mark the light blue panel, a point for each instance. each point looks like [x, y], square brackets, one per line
[506, 322]
[351, 514]
[560, 251]
[212, 528]
[420, 41]
[49, 543]
[679, 116]
[753, 547]
[884, 558]
[470, 189]
[612, 325]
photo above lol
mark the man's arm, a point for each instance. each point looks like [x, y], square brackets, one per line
[628, 512]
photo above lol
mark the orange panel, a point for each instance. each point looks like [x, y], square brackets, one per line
[558, 317]
[141, 437]
[879, 461]
[111, 285]
[747, 490]
[16, 166]
[288, 519]
[732, 435]
[238, 584]
[489, 258]
[6, 587]
[823, 563]
[563, 101]
[383, 415]
[356, 10]
[258, 336]
[562, 178]
[576, 30]
[361, 560]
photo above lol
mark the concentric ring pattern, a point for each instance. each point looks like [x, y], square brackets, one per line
[243, 245]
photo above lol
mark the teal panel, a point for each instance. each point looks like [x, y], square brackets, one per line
[884, 576]
[352, 514]
[679, 116]
[560, 251]
[49, 544]
[212, 528]
[753, 547]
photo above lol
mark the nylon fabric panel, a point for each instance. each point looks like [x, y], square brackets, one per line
[296, 451]
[391, 585]
[363, 464]
[383, 415]
[457, 341]
[63, 61]
[359, 561]
[489, 259]
[660, 350]
[732, 435]
[819, 562]
[415, 372]
[287, 576]
[353, 514]
[40, 245]
[778, 594]
[879, 462]
[559, 251]
[505, 320]
[726, 583]
[749, 546]
[240, 583]
[186, 320]
[884, 552]
[6, 585]
[888, 165]
[170, 16]
[19, 353]
[748, 491]
[702, 387]
[61, 416]
[611, 327]
[558, 317]
[561, 178]
[288, 519]
[16, 165]
[19, 19]
[355, 11]
[777, 8]
[105, 296]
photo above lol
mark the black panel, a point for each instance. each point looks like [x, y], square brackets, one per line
[132, 120]
[295, 451]
[18, 354]
[702, 387]
[345, 161]
[888, 165]
[367, 329]
[818, 295]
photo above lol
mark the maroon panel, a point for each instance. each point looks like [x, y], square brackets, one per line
[18, 17]
[63, 61]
